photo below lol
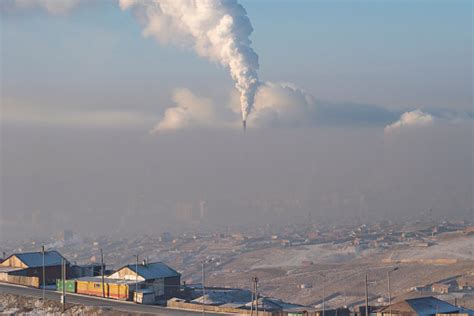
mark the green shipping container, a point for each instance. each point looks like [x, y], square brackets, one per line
[70, 285]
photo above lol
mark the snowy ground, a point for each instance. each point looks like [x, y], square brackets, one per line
[11, 304]
[461, 248]
[324, 253]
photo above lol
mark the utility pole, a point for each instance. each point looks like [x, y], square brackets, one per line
[255, 288]
[324, 292]
[253, 298]
[389, 292]
[366, 296]
[44, 273]
[136, 279]
[324, 299]
[203, 287]
[63, 296]
[102, 271]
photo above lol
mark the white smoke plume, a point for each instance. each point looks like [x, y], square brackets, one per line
[276, 104]
[190, 111]
[216, 29]
[415, 118]
[283, 104]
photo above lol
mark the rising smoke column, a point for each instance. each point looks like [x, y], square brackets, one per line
[217, 29]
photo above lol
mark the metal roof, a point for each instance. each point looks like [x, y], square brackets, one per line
[155, 270]
[223, 296]
[424, 306]
[35, 259]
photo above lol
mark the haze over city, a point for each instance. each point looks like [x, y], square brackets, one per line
[130, 118]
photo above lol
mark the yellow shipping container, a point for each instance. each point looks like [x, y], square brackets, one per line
[118, 291]
[111, 289]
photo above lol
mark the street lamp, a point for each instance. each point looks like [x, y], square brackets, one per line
[389, 292]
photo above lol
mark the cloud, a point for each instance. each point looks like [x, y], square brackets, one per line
[276, 105]
[282, 104]
[411, 119]
[100, 119]
[56, 7]
[190, 111]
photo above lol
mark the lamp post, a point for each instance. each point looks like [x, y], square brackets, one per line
[389, 292]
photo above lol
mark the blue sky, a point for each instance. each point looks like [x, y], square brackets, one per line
[397, 54]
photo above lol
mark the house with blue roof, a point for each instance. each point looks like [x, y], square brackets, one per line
[27, 268]
[156, 279]
[423, 306]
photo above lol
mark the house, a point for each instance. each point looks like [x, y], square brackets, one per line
[465, 282]
[440, 288]
[423, 306]
[27, 268]
[157, 276]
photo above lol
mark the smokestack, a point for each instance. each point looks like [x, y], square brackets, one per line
[218, 30]
[244, 125]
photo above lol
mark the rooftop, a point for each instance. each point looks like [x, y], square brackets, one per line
[155, 270]
[35, 259]
[424, 306]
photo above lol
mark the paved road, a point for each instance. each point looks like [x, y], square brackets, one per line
[95, 301]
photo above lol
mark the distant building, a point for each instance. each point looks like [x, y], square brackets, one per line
[440, 288]
[166, 237]
[27, 268]
[88, 270]
[66, 235]
[465, 282]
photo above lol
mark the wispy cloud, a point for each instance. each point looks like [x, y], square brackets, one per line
[189, 112]
[277, 105]
[56, 7]
[100, 119]
[412, 119]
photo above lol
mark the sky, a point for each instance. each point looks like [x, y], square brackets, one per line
[364, 108]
